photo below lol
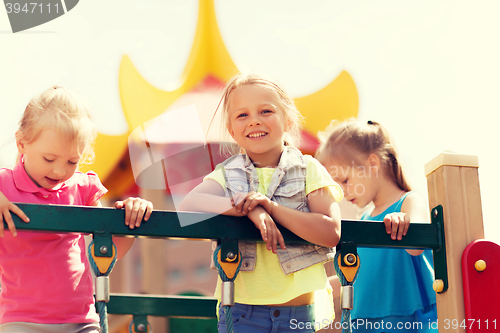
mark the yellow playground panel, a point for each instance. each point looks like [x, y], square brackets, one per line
[209, 58]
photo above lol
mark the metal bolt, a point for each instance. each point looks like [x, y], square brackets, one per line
[230, 256]
[141, 328]
[438, 286]
[103, 249]
[436, 213]
[350, 259]
[480, 265]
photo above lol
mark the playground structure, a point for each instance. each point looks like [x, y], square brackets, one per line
[455, 206]
[208, 67]
[467, 303]
[209, 61]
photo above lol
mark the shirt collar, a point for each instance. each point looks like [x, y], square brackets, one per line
[290, 157]
[24, 183]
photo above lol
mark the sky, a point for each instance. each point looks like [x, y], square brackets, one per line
[427, 70]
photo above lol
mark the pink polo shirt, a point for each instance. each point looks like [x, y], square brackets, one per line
[45, 277]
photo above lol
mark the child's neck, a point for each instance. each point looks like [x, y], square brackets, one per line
[388, 194]
[265, 160]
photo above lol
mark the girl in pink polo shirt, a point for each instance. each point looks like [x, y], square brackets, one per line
[46, 284]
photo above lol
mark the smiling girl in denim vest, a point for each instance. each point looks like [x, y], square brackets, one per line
[46, 280]
[280, 288]
[393, 291]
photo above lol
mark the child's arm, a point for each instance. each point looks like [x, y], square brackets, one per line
[414, 208]
[135, 209]
[5, 208]
[320, 226]
[208, 197]
[270, 233]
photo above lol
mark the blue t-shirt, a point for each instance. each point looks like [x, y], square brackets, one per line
[391, 282]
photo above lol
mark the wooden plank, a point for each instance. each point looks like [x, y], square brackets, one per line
[456, 188]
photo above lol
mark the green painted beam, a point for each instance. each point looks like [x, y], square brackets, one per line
[373, 234]
[165, 224]
[162, 306]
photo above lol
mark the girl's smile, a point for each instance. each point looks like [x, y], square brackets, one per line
[256, 135]
[53, 181]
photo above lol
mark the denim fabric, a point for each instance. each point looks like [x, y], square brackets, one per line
[287, 185]
[287, 188]
[418, 322]
[261, 318]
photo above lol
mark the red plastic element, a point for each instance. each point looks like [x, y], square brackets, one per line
[481, 289]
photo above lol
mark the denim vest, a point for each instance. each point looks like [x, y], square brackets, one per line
[287, 188]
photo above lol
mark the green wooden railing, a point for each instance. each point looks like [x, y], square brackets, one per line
[103, 223]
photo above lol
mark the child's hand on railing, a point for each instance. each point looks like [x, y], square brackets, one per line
[268, 229]
[245, 202]
[5, 208]
[135, 210]
[396, 225]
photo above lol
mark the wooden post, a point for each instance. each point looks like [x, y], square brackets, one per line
[453, 182]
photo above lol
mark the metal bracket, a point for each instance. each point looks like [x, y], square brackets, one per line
[140, 323]
[347, 248]
[103, 244]
[439, 253]
[229, 250]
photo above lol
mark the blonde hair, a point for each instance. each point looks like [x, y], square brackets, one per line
[56, 108]
[292, 116]
[352, 142]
